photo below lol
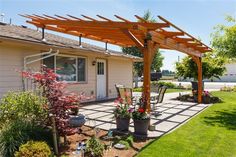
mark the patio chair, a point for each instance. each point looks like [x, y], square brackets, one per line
[117, 88]
[159, 88]
[125, 93]
[159, 99]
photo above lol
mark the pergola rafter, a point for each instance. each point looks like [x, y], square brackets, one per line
[147, 36]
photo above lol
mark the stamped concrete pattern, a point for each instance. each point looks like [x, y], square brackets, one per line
[173, 113]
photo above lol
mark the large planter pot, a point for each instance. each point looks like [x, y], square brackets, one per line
[206, 99]
[195, 85]
[141, 126]
[122, 124]
[77, 121]
[195, 98]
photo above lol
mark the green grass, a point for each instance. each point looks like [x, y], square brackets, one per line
[169, 90]
[210, 134]
[173, 90]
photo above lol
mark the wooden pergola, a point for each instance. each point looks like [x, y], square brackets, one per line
[147, 36]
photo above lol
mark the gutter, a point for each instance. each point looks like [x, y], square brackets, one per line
[133, 58]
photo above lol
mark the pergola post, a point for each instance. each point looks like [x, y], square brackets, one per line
[198, 61]
[149, 51]
[199, 67]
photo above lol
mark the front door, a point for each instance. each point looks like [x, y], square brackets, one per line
[101, 79]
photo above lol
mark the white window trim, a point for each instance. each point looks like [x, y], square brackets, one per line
[76, 62]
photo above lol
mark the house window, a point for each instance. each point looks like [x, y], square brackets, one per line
[69, 68]
[81, 69]
[66, 68]
[100, 68]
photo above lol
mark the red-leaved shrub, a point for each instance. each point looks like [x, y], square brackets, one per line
[59, 100]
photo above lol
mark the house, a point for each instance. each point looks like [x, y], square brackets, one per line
[86, 68]
[230, 73]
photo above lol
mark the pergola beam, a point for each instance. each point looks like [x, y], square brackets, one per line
[133, 38]
[104, 18]
[76, 33]
[90, 18]
[172, 44]
[177, 28]
[171, 34]
[183, 40]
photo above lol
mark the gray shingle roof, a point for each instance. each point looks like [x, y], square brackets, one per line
[28, 34]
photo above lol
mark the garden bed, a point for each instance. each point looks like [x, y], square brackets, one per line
[88, 132]
[191, 98]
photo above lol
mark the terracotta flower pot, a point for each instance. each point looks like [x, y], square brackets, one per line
[122, 124]
[141, 126]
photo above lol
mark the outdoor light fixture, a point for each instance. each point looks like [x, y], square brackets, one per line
[94, 62]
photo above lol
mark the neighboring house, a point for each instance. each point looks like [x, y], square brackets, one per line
[230, 73]
[86, 68]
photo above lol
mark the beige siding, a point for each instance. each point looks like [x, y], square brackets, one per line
[11, 63]
[12, 56]
[119, 72]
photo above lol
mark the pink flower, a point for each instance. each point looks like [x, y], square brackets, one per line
[130, 110]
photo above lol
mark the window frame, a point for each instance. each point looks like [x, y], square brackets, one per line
[76, 62]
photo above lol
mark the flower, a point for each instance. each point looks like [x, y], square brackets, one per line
[123, 109]
[206, 93]
[141, 110]
[130, 110]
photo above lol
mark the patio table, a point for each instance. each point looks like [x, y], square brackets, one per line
[137, 95]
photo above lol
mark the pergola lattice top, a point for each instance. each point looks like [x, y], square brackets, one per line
[123, 32]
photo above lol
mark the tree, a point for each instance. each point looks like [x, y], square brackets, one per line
[158, 58]
[59, 100]
[224, 38]
[212, 67]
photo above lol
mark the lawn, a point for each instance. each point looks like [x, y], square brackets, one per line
[173, 90]
[210, 134]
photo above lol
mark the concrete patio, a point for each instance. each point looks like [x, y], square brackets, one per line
[174, 114]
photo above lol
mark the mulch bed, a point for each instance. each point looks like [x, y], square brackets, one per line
[88, 132]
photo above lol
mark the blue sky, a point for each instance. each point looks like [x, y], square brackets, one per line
[197, 17]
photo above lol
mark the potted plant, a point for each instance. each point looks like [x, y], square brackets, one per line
[122, 113]
[141, 119]
[206, 97]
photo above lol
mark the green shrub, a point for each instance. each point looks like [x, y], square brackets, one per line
[227, 89]
[18, 133]
[167, 84]
[94, 147]
[22, 105]
[234, 88]
[126, 140]
[139, 89]
[34, 148]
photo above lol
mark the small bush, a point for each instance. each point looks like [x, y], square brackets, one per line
[234, 88]
[22, 105]
[227, 89]
[18, 133]
[126, 140]
[167, 84]
[94, 147]
[34, 148]
[139, 89]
